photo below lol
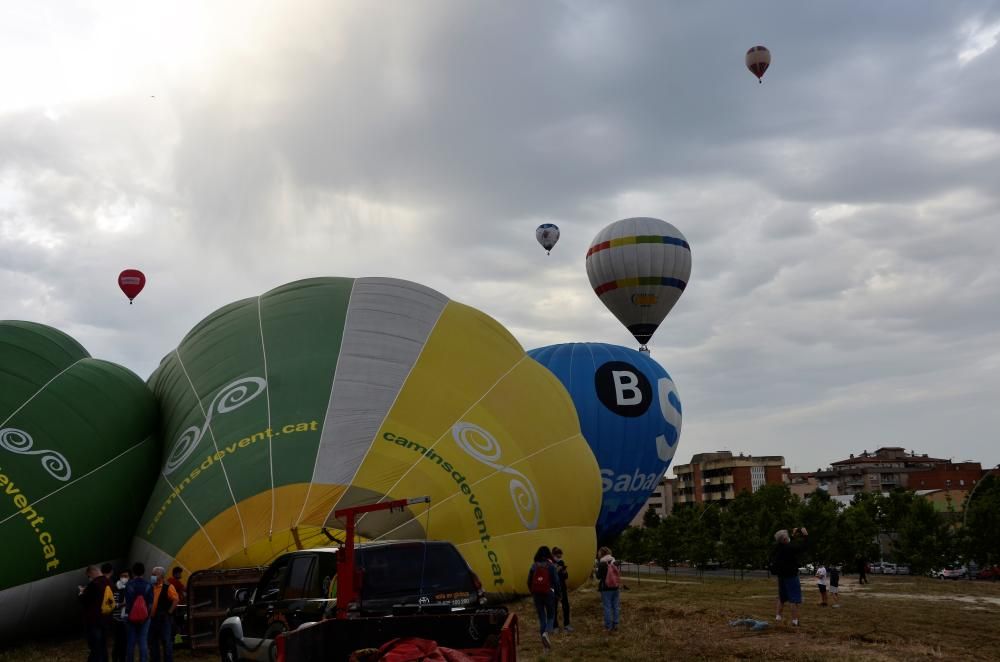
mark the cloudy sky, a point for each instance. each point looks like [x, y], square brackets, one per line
[844, 217]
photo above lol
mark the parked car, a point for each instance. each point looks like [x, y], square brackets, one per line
[902, 569]
[888, 568]
[989, 573]
[299, 588]
[808, 569]
[955, 572]
[876, 568]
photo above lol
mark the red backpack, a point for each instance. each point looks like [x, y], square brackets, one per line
[613, 578]
[139, 613]
[541, 580]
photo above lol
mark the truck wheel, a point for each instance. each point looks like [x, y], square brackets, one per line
[227, 649]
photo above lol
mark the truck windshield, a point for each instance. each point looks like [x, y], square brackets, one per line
[396, 570]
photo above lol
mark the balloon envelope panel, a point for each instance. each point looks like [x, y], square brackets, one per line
[330, 392]
[630, 414]
[77, 462]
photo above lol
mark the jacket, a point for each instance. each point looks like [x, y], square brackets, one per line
[785, 558]
[91, 599]
[163, 603]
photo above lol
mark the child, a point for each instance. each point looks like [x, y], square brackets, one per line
[834, 573]
[821, 583]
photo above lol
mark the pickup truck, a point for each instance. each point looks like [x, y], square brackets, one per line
[396, 578]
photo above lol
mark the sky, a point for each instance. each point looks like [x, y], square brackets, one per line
[843, 216]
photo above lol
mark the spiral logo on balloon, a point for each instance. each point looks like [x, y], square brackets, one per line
[20, 442]
[229, 398]
[484, 447]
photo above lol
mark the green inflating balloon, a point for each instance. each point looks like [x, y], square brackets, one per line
[78, 459]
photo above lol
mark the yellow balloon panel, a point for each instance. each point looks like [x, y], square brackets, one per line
[498, 449]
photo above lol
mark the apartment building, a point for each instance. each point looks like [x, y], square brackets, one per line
[661, 501]
[892, 467]
[720, 476]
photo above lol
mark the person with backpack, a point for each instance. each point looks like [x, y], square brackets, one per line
[543, 584]
[609, 585]
[138, 600]
[563, 595]
[92, 598]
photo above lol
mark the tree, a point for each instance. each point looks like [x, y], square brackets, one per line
[741, 545]
[857, 537]
[650, 519]
[820, 515]
[982, 522]
[923, 537]
[666, 542]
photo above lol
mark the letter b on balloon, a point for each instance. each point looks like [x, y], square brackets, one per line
[623, 389]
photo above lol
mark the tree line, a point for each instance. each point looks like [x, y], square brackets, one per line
[899, 527]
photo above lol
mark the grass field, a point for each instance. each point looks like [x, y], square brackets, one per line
[893, 618]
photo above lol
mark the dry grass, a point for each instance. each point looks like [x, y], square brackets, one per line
[901, 618]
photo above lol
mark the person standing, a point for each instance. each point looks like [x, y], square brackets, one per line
[563, 595]
[862, 571]
[785, 565]
[138, 602]
[91, 597]
[119, 619]
[821, 577]
[834, 572]
[178, 584]
[543, 584]
[161, 631]
[609, 586]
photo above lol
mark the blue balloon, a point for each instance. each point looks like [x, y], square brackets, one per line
[630, 415]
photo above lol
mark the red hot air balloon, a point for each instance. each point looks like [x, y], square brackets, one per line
[131, 281]
[758, 59]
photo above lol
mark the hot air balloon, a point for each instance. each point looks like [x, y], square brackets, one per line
[630, 414]
[758, 59]
[78, 459]
[547, 235]
[332, 392]
[639, 267]
[131, 282]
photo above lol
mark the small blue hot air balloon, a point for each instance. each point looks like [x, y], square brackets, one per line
[547, 235]
[630, 415]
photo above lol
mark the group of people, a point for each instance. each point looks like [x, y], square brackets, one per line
[131, 611]
[547, 583]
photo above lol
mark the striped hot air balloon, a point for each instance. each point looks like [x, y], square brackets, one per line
[334, 392]
[758, 59]
[639, 267]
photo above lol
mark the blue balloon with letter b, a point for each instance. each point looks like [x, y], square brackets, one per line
[630, 415]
